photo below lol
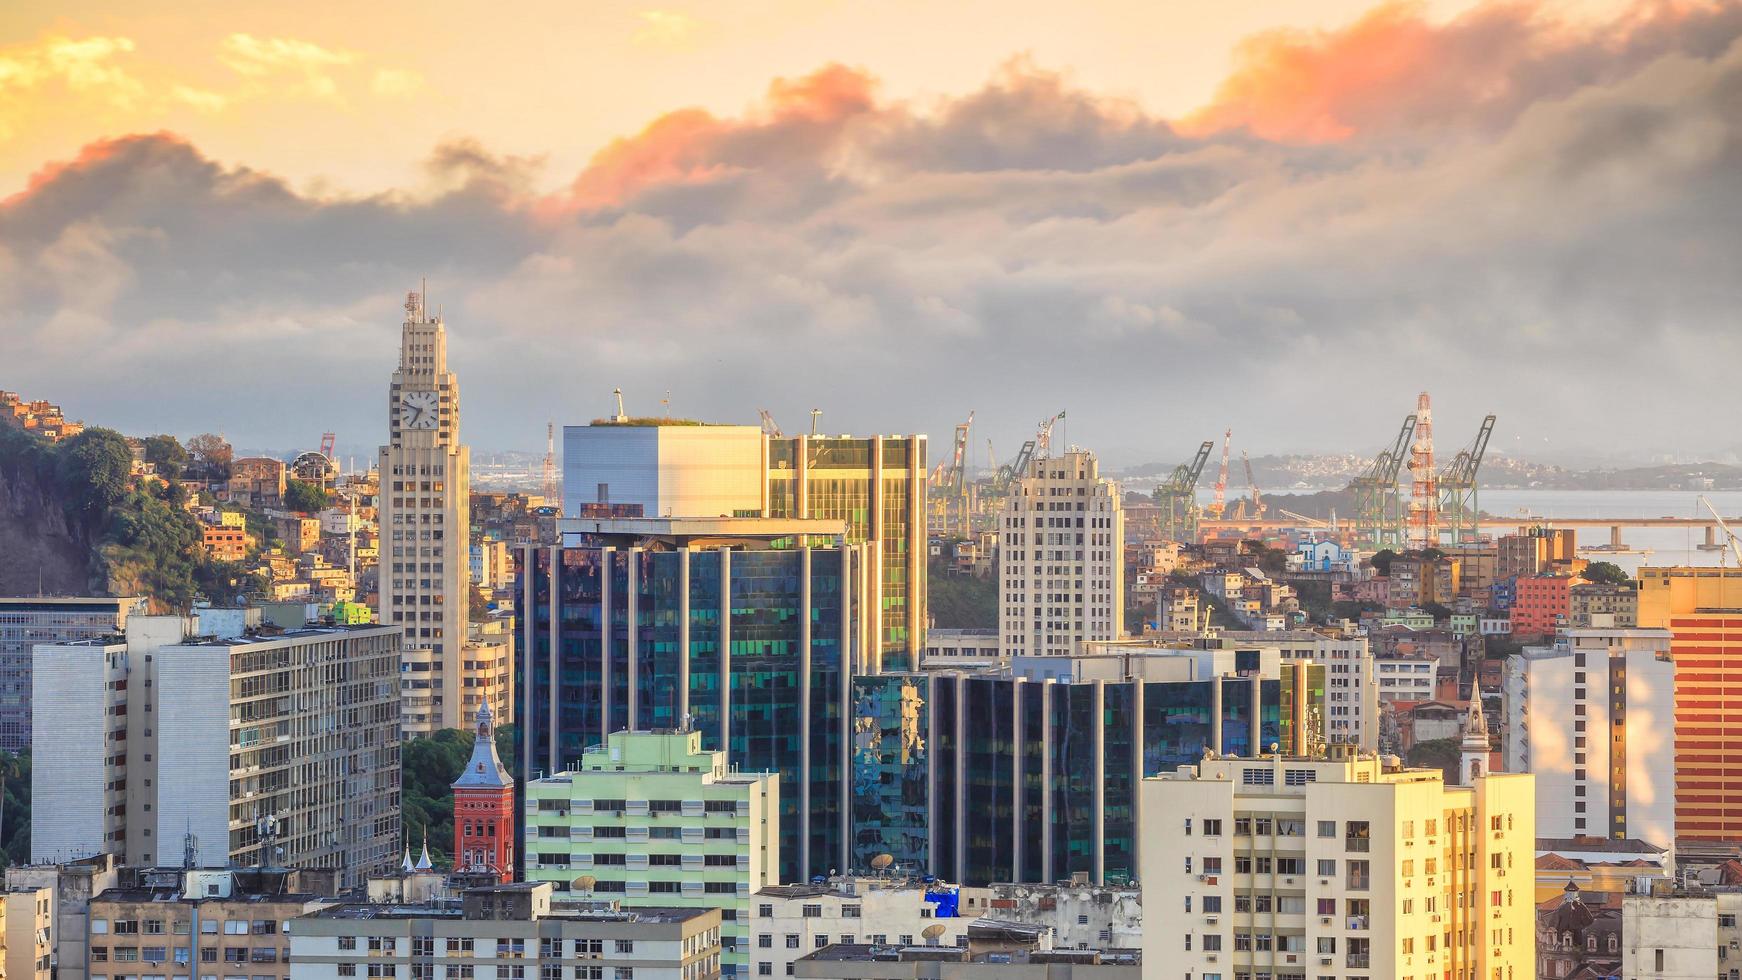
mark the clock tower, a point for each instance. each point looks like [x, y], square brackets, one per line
[424, 506]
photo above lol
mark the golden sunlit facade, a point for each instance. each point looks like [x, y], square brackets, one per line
[1702, 609]
[1344, 869]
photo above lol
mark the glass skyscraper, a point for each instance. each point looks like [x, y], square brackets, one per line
[752, 648]
[876, 485]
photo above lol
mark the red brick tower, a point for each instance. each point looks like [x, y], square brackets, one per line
[484, 808]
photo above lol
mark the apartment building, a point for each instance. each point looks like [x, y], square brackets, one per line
[1595, 604]
[1061, 558]
[988, 949]
[293, 733]
[793, 921]
[652, 819]
[27, 621]
[30, 932]
[179, 923]
[1541, 604]
[1349, 868]
[512, 932]
[1405, 678]
[1593, 717]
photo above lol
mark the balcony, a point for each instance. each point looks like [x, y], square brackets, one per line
[1358, 883]
[1360, 844]
[1356, 922]
[1359, 961]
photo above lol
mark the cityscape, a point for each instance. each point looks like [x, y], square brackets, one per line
[915, 531]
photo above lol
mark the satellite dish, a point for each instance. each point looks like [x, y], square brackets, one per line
[933, 931]
[584, 883]
[882, 862]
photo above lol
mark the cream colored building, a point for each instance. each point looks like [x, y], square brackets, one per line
[29, 933]
[1675, 934]
[425, 521]
[1355, 869]
[1061, 558]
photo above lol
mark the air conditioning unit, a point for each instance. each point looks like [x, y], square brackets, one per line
[1324, 920]
[1210, 920]
[1288, 881]
[1201, 877]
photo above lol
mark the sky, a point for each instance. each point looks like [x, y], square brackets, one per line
[1281, 217]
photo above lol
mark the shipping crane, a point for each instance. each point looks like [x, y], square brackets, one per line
[1220, 503]
[1460, 511]
[1378, 511]
[1043, 437]
[949, 500]
[1178, 497]
[768, 426]
[327, 439]
[1729, 534]
[1258, 505]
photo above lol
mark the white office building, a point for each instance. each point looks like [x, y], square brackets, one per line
[1061, 558]
[140, 743]
[1593, 717]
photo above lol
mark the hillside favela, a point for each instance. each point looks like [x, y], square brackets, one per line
[871, 491]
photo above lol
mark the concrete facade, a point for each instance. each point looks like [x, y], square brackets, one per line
[668, 470]
[185, 924]
[206, 735]
[515, 932]
[425, 518]
[27, 621]
[1345, 868]
[1061, 558]
[1671, 936]
[1597, 705]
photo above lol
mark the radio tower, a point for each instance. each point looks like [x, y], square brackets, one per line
[550, 487]
[1424, 491]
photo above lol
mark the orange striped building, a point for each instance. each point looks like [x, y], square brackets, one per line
[1702, 608]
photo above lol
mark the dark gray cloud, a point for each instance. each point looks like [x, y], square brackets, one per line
[1569, 262]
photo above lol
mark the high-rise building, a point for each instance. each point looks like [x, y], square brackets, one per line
[1061, 558]
[1351, 868]
[27, 621]
[1702, 609]
[1538, 551]
[268, 747]
[699, 623]
[1593, 718]
[27, 915]
[425, 519]
[511, 932]
[654, 819]
[484, 808]
[875, 486]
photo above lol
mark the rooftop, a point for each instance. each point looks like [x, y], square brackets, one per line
[678, 531]
[561, 911]
[1630, 845]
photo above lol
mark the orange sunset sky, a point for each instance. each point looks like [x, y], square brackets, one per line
[706, 197]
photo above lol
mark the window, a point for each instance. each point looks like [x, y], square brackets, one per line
[1327, 828]
[625, 945]
[1327, 868]
[1212, 904]
[1212, 828]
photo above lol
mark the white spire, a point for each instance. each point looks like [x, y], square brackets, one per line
[405, 864]
[423, 861]
[1474, 748]
[484, 770]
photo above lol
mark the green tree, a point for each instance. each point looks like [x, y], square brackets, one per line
[428, 767]
[1381, 560]
[1351, 609]
[1439, 611]
[960, 601]
[212, 455]
[304, 497]
[15, 808]
[1444, 754]
[94, 469]
[1605, 573]
[167, 455]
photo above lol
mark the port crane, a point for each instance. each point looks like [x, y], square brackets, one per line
[769, 428]
[1177, 496]
[1378, 511]
[1459, 507]
[1258, 505]
[1220, 503]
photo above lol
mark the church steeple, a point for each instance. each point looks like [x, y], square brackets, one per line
[484, 807]
[1474, 748]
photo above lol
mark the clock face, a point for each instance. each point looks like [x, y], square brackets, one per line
[419, 410]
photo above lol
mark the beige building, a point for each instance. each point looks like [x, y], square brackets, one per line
[73, 885]
[174, 923]
[1680, 933]
[1592, 604]
[508, 932]
[425, 520]
[1061, 558]
[986, 949]
[30, 932]
[1351, 868]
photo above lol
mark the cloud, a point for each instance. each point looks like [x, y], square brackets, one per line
[87, 66]
[1026, 246]
[1394, 69]
[396, 83]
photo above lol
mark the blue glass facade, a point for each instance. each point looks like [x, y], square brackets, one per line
[748, 645]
